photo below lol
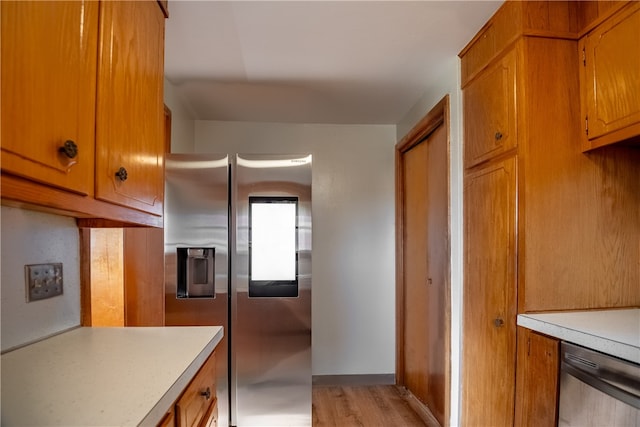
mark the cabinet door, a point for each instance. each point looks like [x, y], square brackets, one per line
[130, 110]
[610, 79]
[169, 419]
[490, 112]
[197, 404]
[48, 91]
[489, 302]
[537, 379]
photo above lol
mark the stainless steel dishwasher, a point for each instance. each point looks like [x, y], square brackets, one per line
[597, 389]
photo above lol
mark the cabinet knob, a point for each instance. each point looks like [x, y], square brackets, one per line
[121, 174]
[206, 394]
[498, 136]
[69, 149]
[498, 322]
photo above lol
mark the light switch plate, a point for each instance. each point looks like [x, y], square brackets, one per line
[43, 281]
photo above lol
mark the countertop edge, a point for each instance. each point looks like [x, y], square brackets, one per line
[156, 413]
[585, 339]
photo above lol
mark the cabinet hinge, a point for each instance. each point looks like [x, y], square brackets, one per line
[586, 124]
[584, 57]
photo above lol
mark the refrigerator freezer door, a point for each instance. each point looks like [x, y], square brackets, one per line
[197, 226]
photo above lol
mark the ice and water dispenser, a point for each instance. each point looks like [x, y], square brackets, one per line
[196, 273]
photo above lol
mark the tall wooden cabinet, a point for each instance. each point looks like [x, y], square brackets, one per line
[546, 227]
[82, 108]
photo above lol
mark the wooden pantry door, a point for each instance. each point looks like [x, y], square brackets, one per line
[424, 262]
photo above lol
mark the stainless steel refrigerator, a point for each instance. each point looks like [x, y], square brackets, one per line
[238, 254]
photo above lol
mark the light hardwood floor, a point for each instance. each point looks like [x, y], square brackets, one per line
[364, 406]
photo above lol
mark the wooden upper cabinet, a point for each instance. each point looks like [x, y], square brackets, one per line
[48, 91]
[490, 112]
[130, 110]
[610, 79]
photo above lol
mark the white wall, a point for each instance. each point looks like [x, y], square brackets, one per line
[35, 238]
[353, 267]
[449, 83]
[182, 120]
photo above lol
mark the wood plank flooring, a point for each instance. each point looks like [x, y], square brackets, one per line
[364, 406]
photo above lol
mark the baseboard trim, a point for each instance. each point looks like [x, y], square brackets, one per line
[368, 379]
[420, 408]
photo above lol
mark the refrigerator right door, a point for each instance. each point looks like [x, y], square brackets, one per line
[271, 291]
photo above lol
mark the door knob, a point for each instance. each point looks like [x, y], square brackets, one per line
[206, 394]
[122, 174]
[498, 322]
[69, 149]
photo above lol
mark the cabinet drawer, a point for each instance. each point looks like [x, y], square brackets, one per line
[490, 112]
[196, 403]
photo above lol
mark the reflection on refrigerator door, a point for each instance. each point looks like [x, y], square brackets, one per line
[259, 290]
[197, 252]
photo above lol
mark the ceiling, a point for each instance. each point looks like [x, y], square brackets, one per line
[357, 62]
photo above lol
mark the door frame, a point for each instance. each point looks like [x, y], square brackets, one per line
[438, 116]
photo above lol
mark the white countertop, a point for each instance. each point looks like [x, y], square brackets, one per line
[103, 376]
[614, 332]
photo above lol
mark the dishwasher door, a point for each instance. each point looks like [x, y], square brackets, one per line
[597, 390]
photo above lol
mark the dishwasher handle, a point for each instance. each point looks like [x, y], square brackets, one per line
[577, 367]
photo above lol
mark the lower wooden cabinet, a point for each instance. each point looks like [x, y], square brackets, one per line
[537, 376]
[169, 419]
[211, 417]
[198, 404]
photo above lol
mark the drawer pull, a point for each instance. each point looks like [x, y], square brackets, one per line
[206, 394]
[69, 149]
[122, 174]
[498, 136]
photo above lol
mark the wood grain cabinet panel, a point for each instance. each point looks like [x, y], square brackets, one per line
[489, 301]
[48, 91]
[490, 112]
[143, 253]
[537, 379]
[610, 79]
[130, 111]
